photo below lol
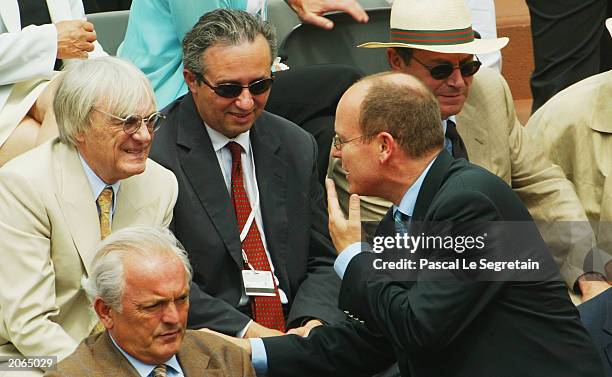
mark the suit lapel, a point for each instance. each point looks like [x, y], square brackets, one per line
[431, 184]
[203, 172]
[193, 360]
[111, 359]
[76, 201]
[473, 127]
[271, 173]
[131, 199]
[9, 11]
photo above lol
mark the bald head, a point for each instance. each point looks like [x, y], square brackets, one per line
[396, 103]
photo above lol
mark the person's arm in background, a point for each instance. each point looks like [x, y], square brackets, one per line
[311, 11]
[78, 13]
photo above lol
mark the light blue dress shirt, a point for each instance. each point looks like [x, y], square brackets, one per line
[97, 185]
[406, 207]
[153, 40]
[173, 368]
[259, 357]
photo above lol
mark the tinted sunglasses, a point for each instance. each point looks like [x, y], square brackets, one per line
[132, 123]
[230, 90]
[444, 70]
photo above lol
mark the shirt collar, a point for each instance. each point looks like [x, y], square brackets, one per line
[97, 184]
[219, 140]
[145, 369]
[408, 201]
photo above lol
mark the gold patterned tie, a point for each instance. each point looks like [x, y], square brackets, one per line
[105, 202]
[159, 371]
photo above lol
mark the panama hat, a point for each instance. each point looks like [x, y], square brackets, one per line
[609, 25]
[435, 25]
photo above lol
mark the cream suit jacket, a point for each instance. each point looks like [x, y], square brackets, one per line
[496, 140]
[49, 226]
[575, 129]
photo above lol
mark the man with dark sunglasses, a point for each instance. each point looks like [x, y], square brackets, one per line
[481, 125]
[250, 209]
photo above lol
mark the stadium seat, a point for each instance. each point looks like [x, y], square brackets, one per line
[110, 28]
[307, 44]
[281, 16]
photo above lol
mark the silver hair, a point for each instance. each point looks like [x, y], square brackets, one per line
[113, 84]
[107, 279]
[226, 27]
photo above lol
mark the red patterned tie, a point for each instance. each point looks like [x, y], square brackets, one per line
[267, 310]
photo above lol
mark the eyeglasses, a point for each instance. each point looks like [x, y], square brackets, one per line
[338, 143]
[233, 90]
[132, 123]
[444, 70]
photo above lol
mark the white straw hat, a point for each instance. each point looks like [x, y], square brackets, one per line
[435, 25]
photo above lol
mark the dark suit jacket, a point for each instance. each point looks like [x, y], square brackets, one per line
[294, 219]
[201, 354]
[596, 315]
[450, 325]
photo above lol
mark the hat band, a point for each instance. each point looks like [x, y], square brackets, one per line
[433, 37]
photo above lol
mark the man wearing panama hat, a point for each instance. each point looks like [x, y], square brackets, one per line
[434, 41]
[574, 128]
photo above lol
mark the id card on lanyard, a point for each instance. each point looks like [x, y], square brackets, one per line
[256, 282]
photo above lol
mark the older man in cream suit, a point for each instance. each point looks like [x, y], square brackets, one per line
[480, 124]
[58, 200]
[574, 128]
[33, 34]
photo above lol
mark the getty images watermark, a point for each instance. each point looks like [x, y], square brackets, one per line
[459, 244]
[485, 251]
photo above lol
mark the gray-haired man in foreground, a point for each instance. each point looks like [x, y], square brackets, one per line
[139, 284]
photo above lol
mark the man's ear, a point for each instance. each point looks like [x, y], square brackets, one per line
[191, 80]
[386, 146]
[395, 60]
[103, 310]
[80, 138]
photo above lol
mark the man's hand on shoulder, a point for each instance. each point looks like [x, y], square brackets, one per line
[591, 288]
[256, 330]
[311, 11]
[304, 330]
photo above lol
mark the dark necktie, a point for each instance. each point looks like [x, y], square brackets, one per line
[459, 150]
[401, 221]
[267, 310]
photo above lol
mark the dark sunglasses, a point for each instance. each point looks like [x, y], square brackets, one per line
[233, 90]
[132, 123]
[444, 70]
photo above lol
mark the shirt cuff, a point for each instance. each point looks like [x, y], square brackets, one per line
[345, 257]
[240, 334]
[259, 359]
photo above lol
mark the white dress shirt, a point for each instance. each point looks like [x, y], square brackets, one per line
[224, 156]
